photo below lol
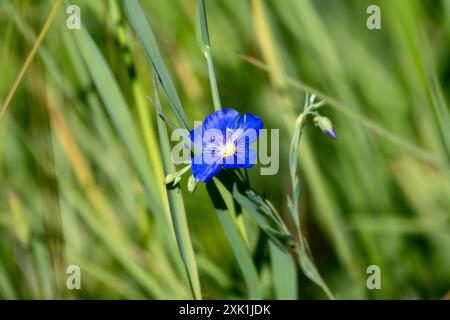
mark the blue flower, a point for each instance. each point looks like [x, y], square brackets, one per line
[224, 141]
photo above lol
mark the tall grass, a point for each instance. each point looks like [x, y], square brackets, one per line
[83, 153]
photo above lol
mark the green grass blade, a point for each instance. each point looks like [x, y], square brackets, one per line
[284, 273]
[176, 204]
[119, 250]
[143, 112]
[6, 287]
[216, 192]
[43, 270]
[205, 47]
[30, 37]
[121, 117]
[123, 121]
[109, 278]
[144, 32]
[436, 94]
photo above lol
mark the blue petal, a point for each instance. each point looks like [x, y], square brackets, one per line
[215, 127]
[249, 120]
[206, 139]
[196, 136]
[243, 158]
[250, 126]
[221, 120]
[203, 171]
[331, 133]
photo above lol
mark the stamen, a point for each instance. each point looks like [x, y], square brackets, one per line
[228, 150]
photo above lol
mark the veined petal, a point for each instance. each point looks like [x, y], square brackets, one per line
[249, 120]
[196, 136]
[209, 139]
[242, 158]
[247, 130]
[221, 120]
[203, 171]
[212, 154]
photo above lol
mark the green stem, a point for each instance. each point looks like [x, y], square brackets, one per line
[305, 261]
[236, 236]
[213, 80]
[176, 204]
[205, 47]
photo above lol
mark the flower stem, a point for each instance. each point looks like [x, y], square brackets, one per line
[205, 47]
[213, 80]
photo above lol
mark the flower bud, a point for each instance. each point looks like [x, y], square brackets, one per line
[325, 125]
[192, 184]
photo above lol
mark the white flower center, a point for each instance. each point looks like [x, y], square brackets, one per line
[228, 150]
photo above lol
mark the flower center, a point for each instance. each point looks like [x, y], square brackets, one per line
[228, 150]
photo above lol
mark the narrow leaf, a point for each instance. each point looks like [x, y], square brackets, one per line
[144, 32]
[177, 209]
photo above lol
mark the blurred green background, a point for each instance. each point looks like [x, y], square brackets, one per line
[378, 195]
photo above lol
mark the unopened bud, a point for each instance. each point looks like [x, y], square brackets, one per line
[325, 125]
[192, 184]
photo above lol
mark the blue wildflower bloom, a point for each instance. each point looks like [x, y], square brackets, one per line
[224, 141]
